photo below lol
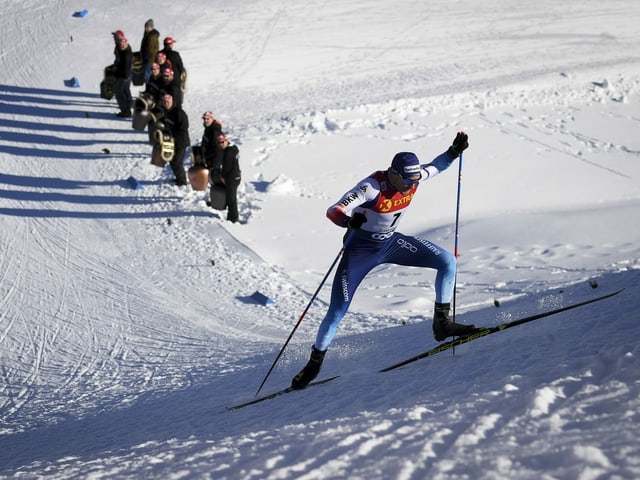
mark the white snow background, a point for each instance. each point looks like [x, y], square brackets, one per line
[127, 323]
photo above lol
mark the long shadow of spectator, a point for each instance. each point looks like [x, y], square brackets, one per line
[35, 101]
[38, 138]
[58, 213]
[55, 140]
[48, 153]
[54, 127]
[28, 102]
[43, 194]
[37, 92]
[58, 113]
[51, 183]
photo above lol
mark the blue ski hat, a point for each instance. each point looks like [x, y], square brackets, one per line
[406, 164]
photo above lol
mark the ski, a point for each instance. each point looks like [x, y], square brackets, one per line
[483, 332]
[279, 393]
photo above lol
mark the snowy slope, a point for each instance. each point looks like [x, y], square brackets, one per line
[126, 319]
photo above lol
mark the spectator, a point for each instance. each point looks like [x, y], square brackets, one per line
[154, 84]
[161, 59]
[149, 48]
[176, 61]
[226, 170]
[170, 85]
[117, 35]
[122, 70]
[209, 144]
[177, 123]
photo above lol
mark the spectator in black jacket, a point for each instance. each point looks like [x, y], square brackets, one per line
[122, 70]
[154, 85]
[174, 58]
[226, 170]
[117, 35]
[209, 144]
[161, 59]
[171, 86]
[177, 123]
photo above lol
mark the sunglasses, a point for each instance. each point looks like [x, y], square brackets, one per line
[408, 182]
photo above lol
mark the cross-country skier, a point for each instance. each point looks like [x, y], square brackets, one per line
[371, 211]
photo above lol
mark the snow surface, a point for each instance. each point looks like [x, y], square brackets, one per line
[127, 325]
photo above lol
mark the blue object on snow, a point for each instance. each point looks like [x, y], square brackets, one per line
[261, 298]
[135, 184]
[72, 82]
[81, 13]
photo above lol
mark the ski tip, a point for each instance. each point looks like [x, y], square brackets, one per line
[609, 295]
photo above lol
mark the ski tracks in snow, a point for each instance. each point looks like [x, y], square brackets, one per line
[429, 439]
[89, 330]
[65, 349]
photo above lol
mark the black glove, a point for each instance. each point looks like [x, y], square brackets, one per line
[460, 144]
[357, 220]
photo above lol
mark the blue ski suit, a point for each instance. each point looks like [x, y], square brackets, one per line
[377, 242]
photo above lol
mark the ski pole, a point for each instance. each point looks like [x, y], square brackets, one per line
[457, 235]
[301, 317]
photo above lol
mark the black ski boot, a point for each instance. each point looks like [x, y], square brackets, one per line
[443, 327]
[310, 371]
